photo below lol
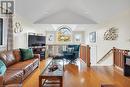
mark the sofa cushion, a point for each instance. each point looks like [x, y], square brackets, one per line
[13, 76]
[26, 66]
[17, 55]
[8, 58]
[26, 54]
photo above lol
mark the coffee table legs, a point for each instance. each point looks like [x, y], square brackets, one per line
[40, 81]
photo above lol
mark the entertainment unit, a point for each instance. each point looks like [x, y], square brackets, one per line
[36, 40]
[38, 44]
[40, 51]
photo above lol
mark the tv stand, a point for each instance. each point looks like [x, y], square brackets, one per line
[41, 51]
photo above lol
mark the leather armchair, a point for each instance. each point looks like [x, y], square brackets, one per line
[72, 52]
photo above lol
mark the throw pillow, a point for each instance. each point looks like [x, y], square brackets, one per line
[26, 54]
[17, 55]
[2, 68]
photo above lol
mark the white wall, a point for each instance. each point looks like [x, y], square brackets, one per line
[21, 39]
[122, 22]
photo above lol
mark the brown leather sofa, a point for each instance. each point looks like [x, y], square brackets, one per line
[17, 70]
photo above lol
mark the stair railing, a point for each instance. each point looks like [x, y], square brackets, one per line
[118, 56]
[104, 57]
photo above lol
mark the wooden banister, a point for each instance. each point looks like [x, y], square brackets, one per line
[88, 56]
[105, 55]
[85, 53]
[118, 55]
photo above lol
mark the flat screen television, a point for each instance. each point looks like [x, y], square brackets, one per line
[1, 31]
[34, 40]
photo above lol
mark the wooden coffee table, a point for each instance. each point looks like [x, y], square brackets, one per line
[52, 78]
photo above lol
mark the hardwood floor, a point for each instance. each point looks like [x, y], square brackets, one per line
[82, 76]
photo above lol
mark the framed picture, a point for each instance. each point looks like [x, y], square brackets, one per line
[92, 37]
[51, 37]
[111, 34]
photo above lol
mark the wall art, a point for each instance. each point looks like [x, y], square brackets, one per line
[111, 34]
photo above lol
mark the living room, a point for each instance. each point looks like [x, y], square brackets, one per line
[90, 37]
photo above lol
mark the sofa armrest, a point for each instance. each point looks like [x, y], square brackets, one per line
[1, 80]
[37, 56]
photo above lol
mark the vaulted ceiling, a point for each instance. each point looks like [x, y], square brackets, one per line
[70, 11]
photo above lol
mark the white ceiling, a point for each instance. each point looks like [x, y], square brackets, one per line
[70, 11]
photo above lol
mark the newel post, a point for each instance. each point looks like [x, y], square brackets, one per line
[88, 56]
[114, 56]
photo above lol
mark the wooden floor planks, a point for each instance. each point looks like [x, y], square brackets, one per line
[81, 76]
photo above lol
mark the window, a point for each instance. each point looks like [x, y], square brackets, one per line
[1, 31]
[64, 34]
